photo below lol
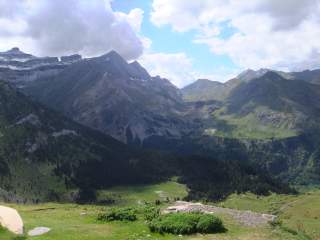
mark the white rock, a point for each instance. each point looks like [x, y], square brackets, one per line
[64, 132]
[31, 118]
[10, 219]
[38, 231]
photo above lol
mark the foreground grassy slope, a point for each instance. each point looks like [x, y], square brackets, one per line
[68, 224]
[78, 222]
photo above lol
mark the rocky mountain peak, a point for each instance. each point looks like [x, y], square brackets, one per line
[138, 70]
[203, 90]
[15, 50]
[250, 74]
[15, 54]
[201, 84]
[115, 97]
[272, 75]
[114, 57]
[207, 81]
[203, 80]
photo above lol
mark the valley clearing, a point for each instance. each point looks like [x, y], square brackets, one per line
[298, 216]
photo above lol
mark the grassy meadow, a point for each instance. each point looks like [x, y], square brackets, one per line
[299, 216]
[249, 126]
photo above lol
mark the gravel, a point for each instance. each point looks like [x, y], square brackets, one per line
[246, 218]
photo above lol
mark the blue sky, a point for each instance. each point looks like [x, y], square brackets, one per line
[165, 40]
[223, 38]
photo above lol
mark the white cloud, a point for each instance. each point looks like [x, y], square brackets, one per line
[11, 9]
[174, 66]
[179, 69]
[268, 33]
[134, 18]
[181, 16]
[12, 28]
[258, 45]
[289, 14]
[70, 26]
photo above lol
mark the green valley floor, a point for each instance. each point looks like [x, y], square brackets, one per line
[299, 216]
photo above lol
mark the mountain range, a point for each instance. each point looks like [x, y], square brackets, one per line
[42, 153]
[103, 114]
[115, 97]
[45, 156]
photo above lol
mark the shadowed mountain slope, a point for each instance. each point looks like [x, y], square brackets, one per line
[117, 98]
[43, 154]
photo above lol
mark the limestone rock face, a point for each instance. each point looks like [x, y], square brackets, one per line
[22, 68]
[115, 97]
[10, 219]
[71, 58]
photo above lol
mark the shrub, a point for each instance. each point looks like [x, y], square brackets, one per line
[151, 212]
[186, 223]
[210, 224]
[118, 214]
[176, 223]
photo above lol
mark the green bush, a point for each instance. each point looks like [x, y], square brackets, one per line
[186, 223]
[176, 223]
[151, 212]
[118, 214]
[210, 224]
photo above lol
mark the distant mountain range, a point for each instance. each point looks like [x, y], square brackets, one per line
[204, 89]
[262, 104]
[260, 120]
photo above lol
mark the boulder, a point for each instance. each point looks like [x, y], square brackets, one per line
[11, 220]
[38, 231]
